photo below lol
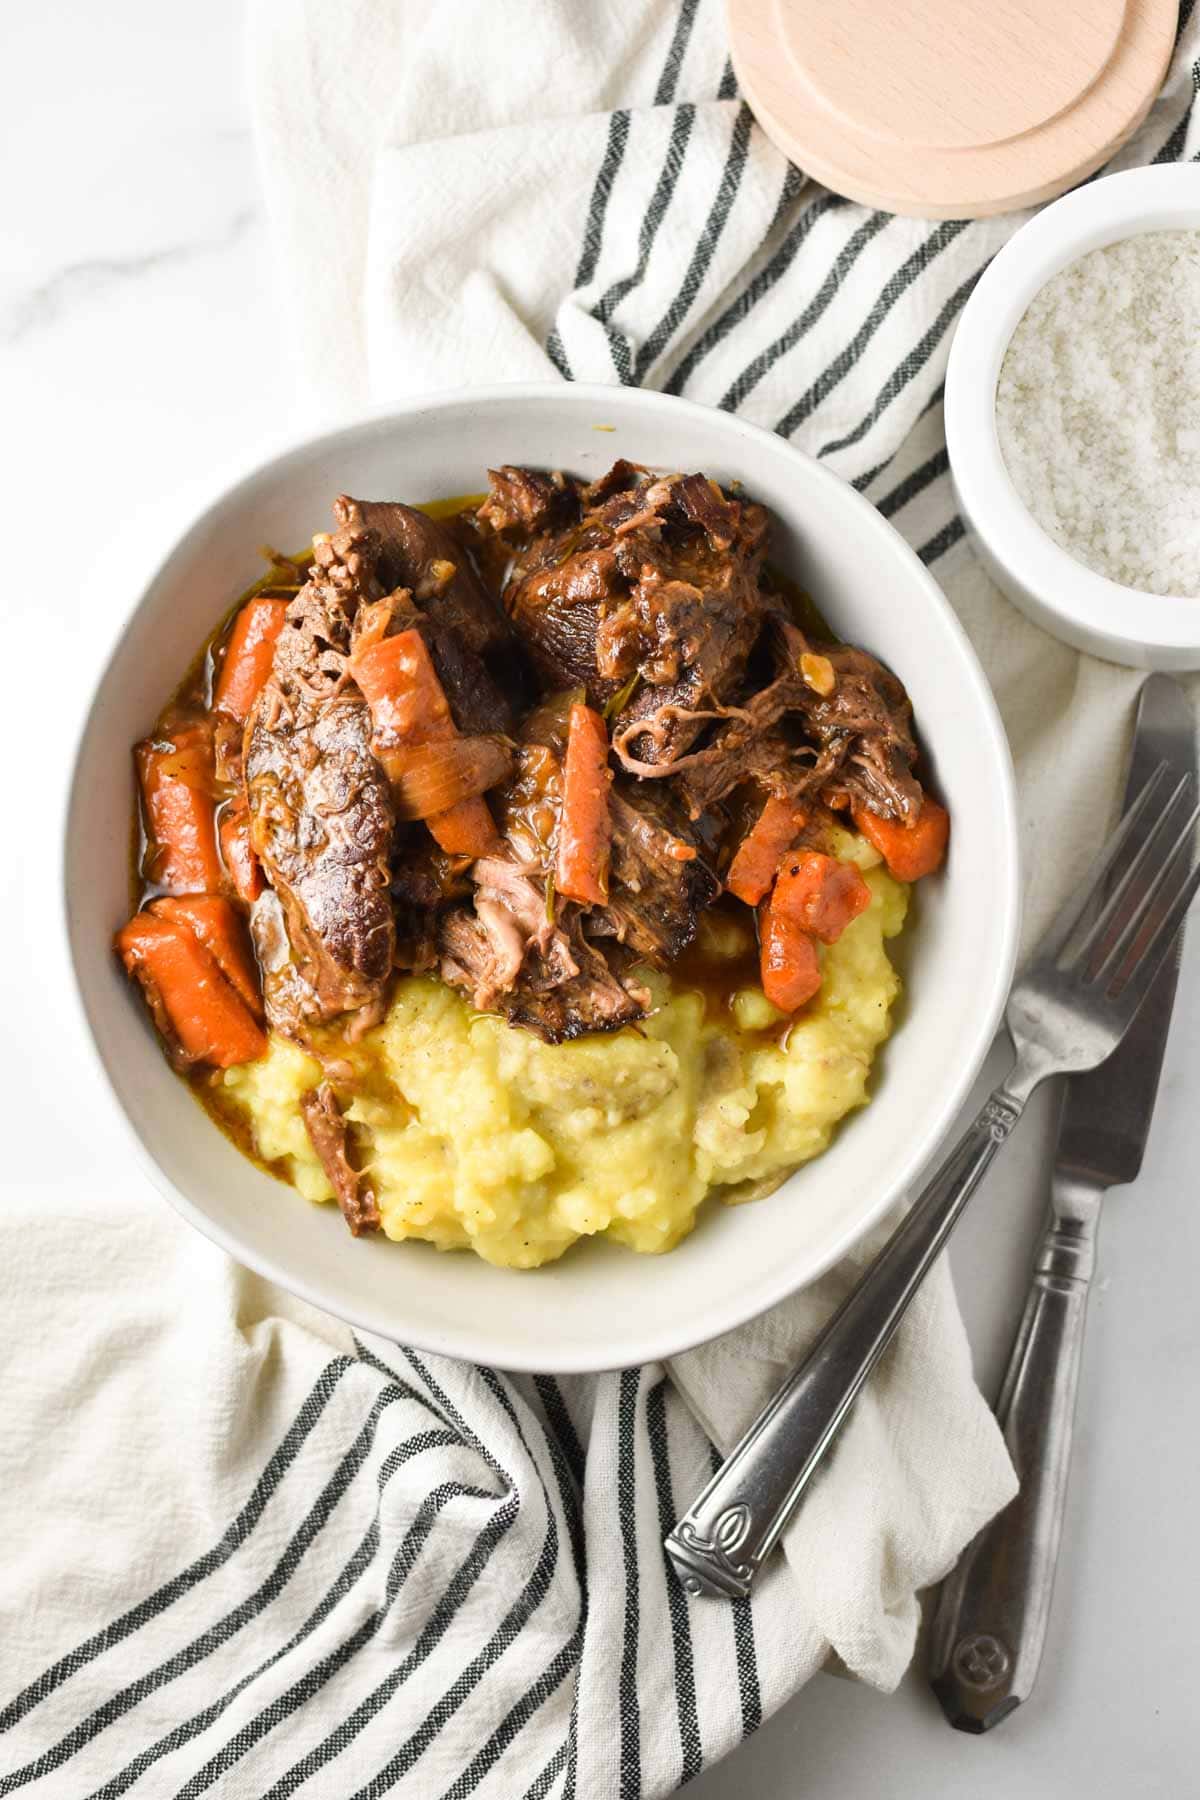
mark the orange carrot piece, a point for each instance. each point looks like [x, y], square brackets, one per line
[241, 864]
[790, 966]
[820, 893]
[219, 927]
[585, 825]
[201, 1016]
[409, 707]
[911, 850]
[401, 687]
[248, 656]
[467, 829]
[758, 855]
[176, 776]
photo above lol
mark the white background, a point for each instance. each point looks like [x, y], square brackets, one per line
[140, 354]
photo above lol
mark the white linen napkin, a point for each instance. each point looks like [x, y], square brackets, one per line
[358, 1569]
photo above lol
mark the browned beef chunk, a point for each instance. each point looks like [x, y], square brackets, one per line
[320, 809]
[541, 995]
[525, 501]
[510, 957]
[868, 714]
[327, 1134]
[477, 657]
[659, 883]
[854, 741]
[654, 579]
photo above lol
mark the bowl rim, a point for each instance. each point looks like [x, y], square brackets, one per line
[654, 1345]
[1102, 212]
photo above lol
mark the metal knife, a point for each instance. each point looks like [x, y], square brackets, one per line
[990, 1625]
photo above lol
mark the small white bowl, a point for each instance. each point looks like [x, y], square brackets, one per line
[601, 1306]
[1151, 631]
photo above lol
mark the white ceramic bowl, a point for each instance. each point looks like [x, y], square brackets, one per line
[601, 1306]
[1151, 631]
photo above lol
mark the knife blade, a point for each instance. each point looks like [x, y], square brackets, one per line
[989, 1627]
[1107, 1113]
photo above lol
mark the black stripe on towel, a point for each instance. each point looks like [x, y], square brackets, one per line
[660, 200]
[863, 481]
[629, 1714]
[744, 1648]
[567, 1657]
[559, 1420]
[232, 1539]
[747, 1665]
[546, 1684]
[710, 237]
[618, 138]
[913, 484]
[910, 269]
[668, 81]
[846, 257]
[1172, 150]
[451, 1413]
[593, 231]
[941, 541]
[191, 1654]
[548, 1776]
[681, 131]
[530, 1598]
[911, 366]
[352, 1572]
[762, 283]
[691, 1749]
[314, 1679]
[444, 1709]
[656, 212]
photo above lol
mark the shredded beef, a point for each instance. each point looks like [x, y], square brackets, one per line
[509, 957]
[327, 1133]
[659, 882]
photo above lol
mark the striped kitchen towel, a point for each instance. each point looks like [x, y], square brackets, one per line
[287, 1560]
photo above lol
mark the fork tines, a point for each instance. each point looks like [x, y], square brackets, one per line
[1143, 883]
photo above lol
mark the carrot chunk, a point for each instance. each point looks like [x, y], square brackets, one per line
[409, 708]
[467, 829]
[790, 966]
[241, 864]
[248, 656]
[400, 685]
[911, 850]
[176, 776]
[585, 825]
[198, 1012]
[758, 855]
[219, 927]
[820, 893]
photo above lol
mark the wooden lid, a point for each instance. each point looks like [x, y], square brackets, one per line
[950, 109]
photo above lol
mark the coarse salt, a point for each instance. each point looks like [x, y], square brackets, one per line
[1098, 411]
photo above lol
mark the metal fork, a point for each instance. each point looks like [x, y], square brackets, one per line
[1067, 1013]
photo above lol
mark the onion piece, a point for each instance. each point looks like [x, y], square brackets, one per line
[431, 778]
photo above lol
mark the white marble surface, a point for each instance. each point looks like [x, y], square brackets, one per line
[139, 349]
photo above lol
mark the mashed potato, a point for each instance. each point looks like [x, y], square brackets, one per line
[479, 1136]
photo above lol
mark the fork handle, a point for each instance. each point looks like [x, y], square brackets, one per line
[989, 1629]
[718, 1547]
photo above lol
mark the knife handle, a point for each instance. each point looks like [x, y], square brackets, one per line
[990, 1625]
